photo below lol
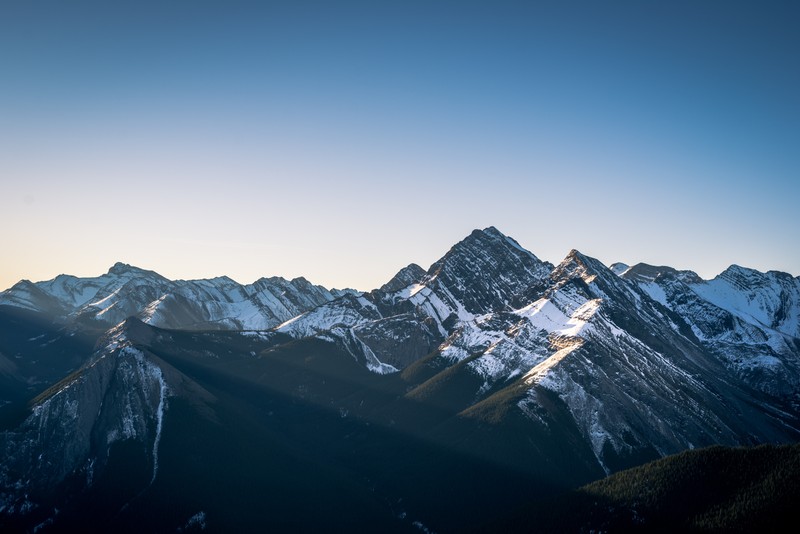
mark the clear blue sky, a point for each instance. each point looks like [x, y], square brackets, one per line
[342, 140]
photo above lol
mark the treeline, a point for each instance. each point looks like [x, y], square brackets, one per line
[718, 489]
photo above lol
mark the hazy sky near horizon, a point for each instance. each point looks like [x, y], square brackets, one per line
[342, 140]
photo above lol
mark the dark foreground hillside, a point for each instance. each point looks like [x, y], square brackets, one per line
[717, 489]
[266, 435]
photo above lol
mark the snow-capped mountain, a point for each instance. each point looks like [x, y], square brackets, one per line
[561, 373]
[639, 377]
[749, 320]
[127, 291]
[633, 381]
[416, 311]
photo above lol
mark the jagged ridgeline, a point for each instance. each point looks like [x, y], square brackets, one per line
[446, 399]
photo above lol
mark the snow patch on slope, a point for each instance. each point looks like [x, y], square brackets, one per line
[545, 315]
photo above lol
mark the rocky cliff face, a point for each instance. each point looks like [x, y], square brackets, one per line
[120, 395]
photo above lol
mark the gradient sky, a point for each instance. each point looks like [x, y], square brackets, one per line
[342, 140]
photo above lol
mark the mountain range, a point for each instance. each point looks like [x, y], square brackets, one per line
[444, 400]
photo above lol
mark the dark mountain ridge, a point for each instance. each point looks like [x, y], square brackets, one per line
[491, 365]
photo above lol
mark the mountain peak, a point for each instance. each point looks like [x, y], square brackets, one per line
[482, 243]
[643, 272]
[486, 270]
[576, 264]
[127, 271]
[121, 268]
[575, 256]
[489, 230]
[742, 277]
[410, 274]
[491, 238]
[735, 270]
[619, 268]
